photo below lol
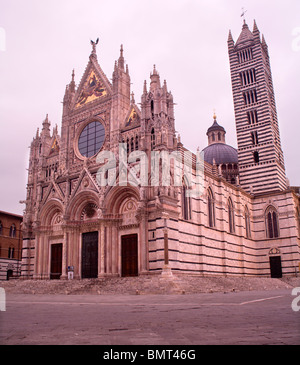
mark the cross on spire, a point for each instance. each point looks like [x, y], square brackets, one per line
[243, 14]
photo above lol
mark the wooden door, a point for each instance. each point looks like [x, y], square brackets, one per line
[275, 267]
[89, 257]
[56, 261]
[129, 255]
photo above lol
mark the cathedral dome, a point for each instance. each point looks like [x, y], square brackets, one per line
[220, 152]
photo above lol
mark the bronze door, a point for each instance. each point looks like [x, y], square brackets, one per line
[56, 261]
[130, 255]
[89, 258]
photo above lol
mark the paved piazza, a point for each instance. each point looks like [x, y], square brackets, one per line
[255, 317]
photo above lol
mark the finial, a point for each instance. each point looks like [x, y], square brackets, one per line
[46, 121]
[121, 58]
[72, 83]
[165, 86]
[154, 70]
[214, 116]
[94, 44]
[132, 98]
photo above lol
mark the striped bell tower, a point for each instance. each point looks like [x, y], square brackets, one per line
[261, 163]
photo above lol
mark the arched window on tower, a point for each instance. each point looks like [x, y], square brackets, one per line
[272, 228]
[256, 157]
[152, 138]
[247, 223]
[231, 216]
[211, 208]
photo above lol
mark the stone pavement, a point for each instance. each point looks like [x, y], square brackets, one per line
[245, 317]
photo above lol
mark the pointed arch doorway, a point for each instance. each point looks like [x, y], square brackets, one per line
[129, 254]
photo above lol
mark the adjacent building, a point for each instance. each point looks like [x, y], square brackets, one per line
[10, 245]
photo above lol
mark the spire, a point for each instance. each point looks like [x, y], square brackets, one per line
[145, 87]
[154, 70]
[165, 90]
[72, 83]
[263, 41]
[132, 98]
[155, 80]
[46, 126]
[246, 35]
[255, 30]
[121, 58]
[264, 44]
[230, 39]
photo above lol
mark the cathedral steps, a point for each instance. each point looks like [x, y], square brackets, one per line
[147, 284]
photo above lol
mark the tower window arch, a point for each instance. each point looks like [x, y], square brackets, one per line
[272, 227]
[256, 156]
[231, 216]
[211, 208]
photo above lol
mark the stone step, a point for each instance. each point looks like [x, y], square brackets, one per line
[148, 284]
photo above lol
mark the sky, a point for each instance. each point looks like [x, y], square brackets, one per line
[42, 41]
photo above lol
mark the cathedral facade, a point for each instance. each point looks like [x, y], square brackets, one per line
[102, 200]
